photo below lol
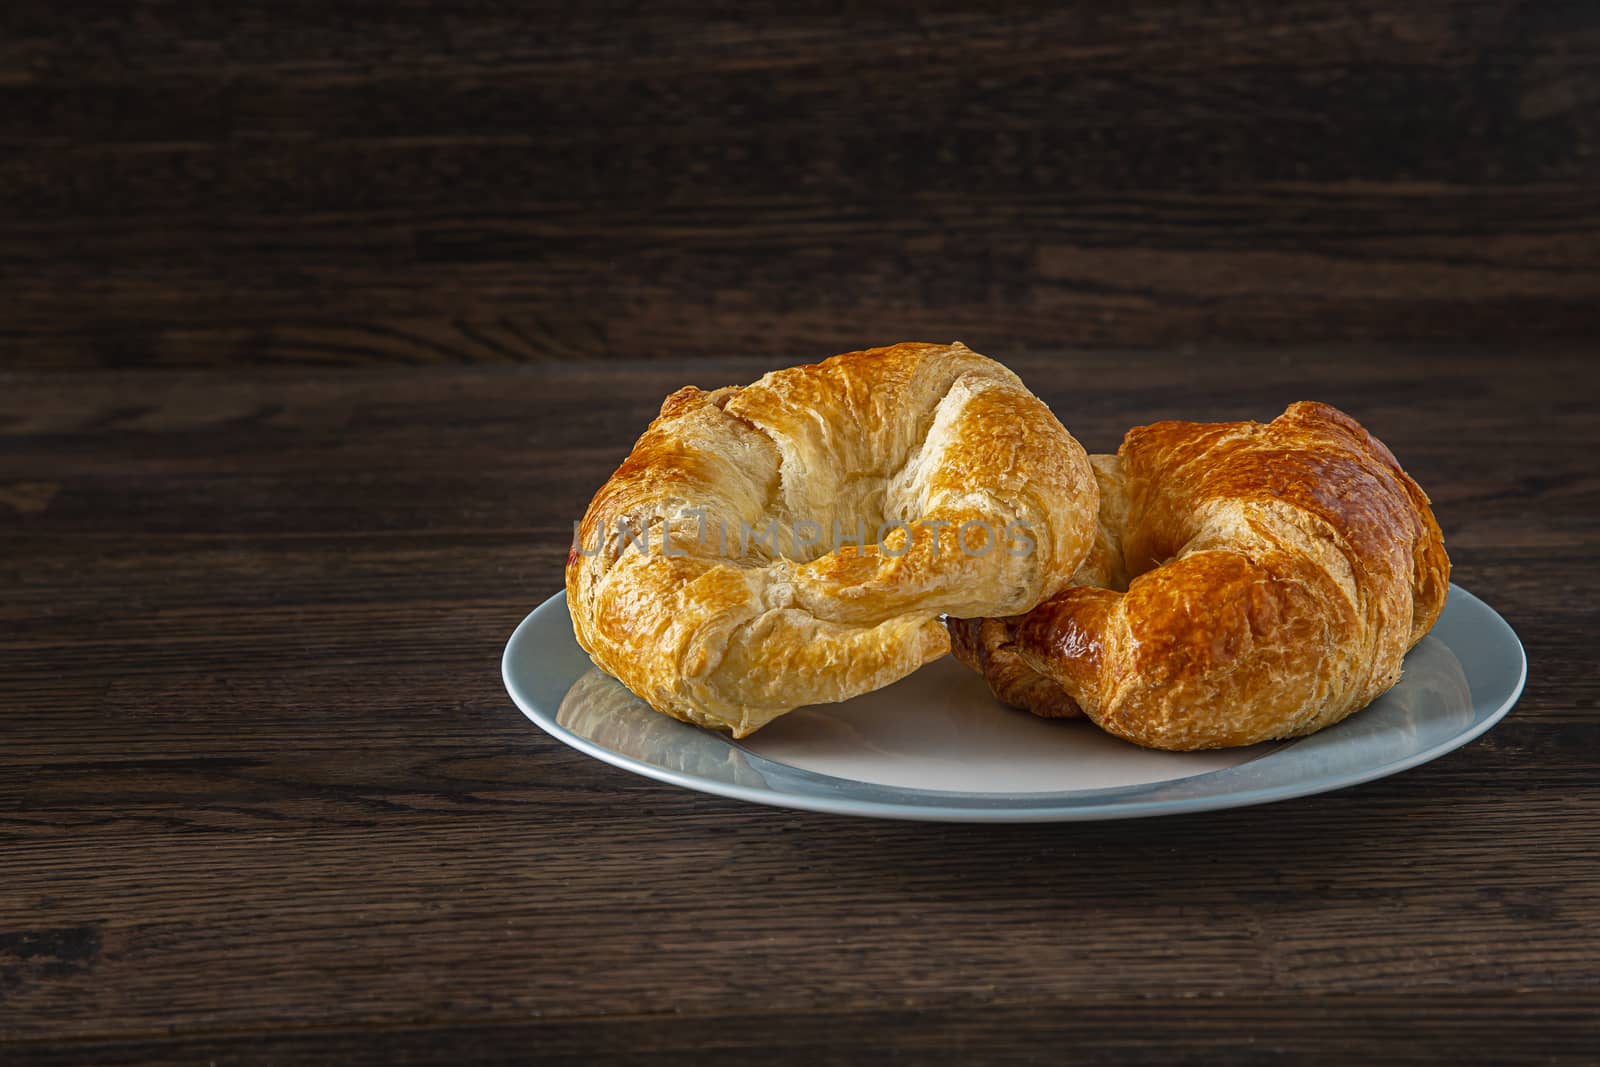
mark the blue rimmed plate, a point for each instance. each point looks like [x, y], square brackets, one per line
[937, 746]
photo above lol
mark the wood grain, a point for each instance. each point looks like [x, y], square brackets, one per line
[263, 798]
[338, 183]
[1330, 1030]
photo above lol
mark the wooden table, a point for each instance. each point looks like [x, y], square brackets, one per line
[342, 180]
[262, 795]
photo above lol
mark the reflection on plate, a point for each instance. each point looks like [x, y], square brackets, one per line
[601, 710]
[936, 745]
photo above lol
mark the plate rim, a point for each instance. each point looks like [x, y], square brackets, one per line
[1034, 812]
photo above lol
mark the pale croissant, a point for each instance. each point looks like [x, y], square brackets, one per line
[705, 575]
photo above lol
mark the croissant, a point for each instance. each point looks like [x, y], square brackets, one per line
[1246, 582]
[795, 541]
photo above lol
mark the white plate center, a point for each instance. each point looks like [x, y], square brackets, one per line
[942, 729]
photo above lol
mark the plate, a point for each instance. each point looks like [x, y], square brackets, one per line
[938, 746]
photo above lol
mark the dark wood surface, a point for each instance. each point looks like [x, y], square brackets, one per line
[333, 181]
[263, 798]
[319, 325]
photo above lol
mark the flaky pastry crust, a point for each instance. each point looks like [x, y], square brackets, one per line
[1279, 574]
[729, 630]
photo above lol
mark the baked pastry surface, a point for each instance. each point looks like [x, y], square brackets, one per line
[705, 575]
[1279, 574]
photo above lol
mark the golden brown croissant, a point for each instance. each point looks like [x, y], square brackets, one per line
[1280, 572]
[712, 576]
